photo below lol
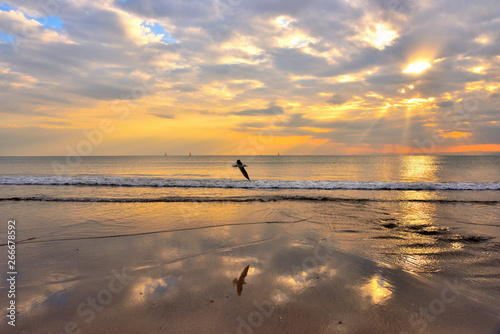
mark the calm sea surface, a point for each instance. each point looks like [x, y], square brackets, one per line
[185, 226]
[202, 178]
[291, 168]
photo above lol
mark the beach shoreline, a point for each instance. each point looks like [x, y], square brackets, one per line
[310, 264]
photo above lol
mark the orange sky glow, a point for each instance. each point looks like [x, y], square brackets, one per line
[329, 77]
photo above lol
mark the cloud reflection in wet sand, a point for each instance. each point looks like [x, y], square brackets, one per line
[377, 289]
[190, 289]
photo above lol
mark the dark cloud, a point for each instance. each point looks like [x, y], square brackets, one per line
[188, 88]
[337, 99]
[445, 104]
[295, 61]
[99, 91]
[271, 110]
[191, 11]
[163, 115]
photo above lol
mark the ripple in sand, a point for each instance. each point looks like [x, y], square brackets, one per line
[465, 238]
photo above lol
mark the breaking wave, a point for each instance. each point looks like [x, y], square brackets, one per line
[240, 199]
[116, 181]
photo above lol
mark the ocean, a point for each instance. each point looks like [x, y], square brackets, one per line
[315, 173]
[170, 219]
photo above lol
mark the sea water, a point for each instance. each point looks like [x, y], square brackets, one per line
[170, 218]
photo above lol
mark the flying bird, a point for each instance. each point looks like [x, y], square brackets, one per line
[239, 282]
[241, 166]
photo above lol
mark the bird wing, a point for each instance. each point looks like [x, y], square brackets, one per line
[244, 172]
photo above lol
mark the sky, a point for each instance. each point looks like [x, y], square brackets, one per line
[147, 77]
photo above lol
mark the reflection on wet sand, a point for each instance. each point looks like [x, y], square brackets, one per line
[240, 281]
[377, 289]
[148, 288]
[295, 286]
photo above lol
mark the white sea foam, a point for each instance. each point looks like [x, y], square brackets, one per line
[116, 181]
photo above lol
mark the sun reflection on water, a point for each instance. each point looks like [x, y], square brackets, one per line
[418, 221]
[417, 213]
[420, 168]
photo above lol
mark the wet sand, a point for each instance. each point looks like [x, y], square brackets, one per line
[314, 268]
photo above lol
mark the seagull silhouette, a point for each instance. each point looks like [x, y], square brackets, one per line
[239, 282]
[241, 166]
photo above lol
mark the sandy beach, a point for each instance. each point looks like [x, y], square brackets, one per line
[334, 267]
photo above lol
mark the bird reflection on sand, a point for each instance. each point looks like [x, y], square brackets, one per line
[240, 281]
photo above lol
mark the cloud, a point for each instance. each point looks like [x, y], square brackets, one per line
[194, 58]
[185, 88]
[445, 104]
[19, 26]
[337, 99]
[163, 115]
[271, 110]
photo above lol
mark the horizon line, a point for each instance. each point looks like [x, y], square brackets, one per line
[256, 155]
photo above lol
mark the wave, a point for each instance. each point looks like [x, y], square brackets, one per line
[117, 181]
[238, 199]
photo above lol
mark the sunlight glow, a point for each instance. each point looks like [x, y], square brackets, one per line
[455, 134]
[283, 21]
[295, 40]
[380, 36]
[417, 100]
[482, 39]
[478, 69]
[242, 43]
[417, 67]
[419, 168]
